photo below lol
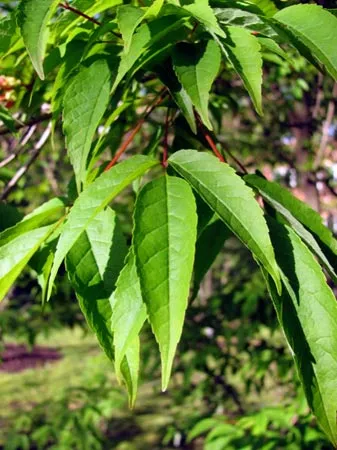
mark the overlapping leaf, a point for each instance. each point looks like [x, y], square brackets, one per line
[201, 10]
[244, 52]
[93, 200]
[128, 312]
[16, 253]
[196, 66]
[315, 29]
[231, 199]
[307, 311]
[305, 221]
[85, 102]
[34, 16]
[164, 240]
[128, 19]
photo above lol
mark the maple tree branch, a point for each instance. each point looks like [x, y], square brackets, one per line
[132, 133]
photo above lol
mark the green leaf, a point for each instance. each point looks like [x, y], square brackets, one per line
[307, 311]
[85, 102]
[9, 216]
[315, 28]
[266, 6]
[93, 200]
[128, 311]
[238, 17]
[209, 244]
[128, 19]
[272, 46]
[45, 214]
[7, 118]
[202, 427]
[130, 370]
[233, 201]
[15, 255]
[201, 10]
[178, 93]
[165, 223]
[93, 265]
[315, 234]
[9, 33]
[33, 19]
[244, 52]
[197, 66]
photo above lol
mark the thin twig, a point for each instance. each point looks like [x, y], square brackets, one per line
[19, 174]
[21, 145]
[210, 140]
[326, 128]
[79, 13]
[237, 162]
[18, 126]
[165, 140]
[132, 133]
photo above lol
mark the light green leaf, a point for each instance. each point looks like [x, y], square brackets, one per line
[201, 10]
[242, 18]
[33, 19]
[244, 52]
[128, 311]
[93, 200]
[305, 221]
[197, 66]
[266, 6]
[93, 265]
[85, 102]
[9, 33]
[272, 46]
[15, 255]
[231, 199]
[307, 311]
[315, 28]
[202, 427]
[164, 240]
[45, 214]
[128, 19]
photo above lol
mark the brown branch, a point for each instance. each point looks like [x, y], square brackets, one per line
[19, 174]
[18, 126]
[79, 13]
[21, 145]
[210, 140]
[132, 133]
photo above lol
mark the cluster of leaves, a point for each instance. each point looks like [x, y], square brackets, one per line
[100, 58]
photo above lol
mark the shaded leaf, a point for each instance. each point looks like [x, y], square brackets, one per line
[128, 311]
[197, 66]
[233, 201]
[315, 28]
[164, 239]
[84, 104]
[307, 311]
[93, 265]
[33, 19]
[93, 200]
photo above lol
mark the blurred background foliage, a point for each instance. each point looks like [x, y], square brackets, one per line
[234, 384]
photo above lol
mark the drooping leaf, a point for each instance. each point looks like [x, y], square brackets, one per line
[209, 244]
[307, 311]
[128, 311]
[128, 19]
[231, 199]
[201, 10]
[244, 52]
[315, 28]
[130, 370]
[85, 102]
[305, 221]
[196, 66]
[33, 18]
[15, 255]
[180, 96]
[93, 200]
[146, 36]
[238, 17]
[93, 265]
[45, 214]
[272, 46]
[164, 239]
